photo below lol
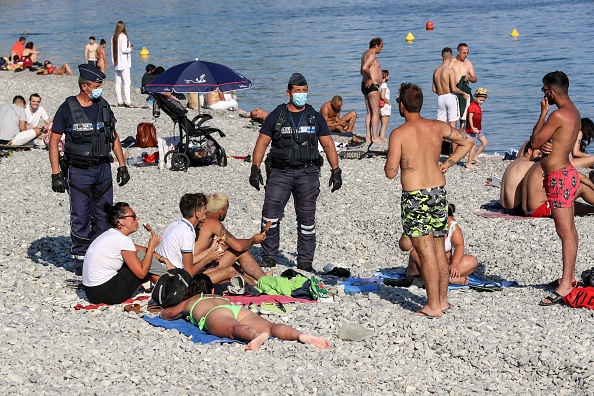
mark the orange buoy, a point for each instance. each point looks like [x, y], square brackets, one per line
[429, 25]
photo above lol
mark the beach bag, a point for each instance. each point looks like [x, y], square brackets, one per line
[171, 287]
[580, 297]
[146, 135]
[588, 277]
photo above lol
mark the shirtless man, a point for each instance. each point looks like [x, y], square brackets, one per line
[444, 85]
[372, 78]
[91, 52]
[217, 206]
[331, 112]
[511, 183]
[463, 74]
[561, 178]
[534, 199]
[415, 147]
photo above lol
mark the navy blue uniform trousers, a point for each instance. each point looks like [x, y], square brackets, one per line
[90, 190]
[304, 186]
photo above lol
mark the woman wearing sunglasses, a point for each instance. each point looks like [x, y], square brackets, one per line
[112, 270]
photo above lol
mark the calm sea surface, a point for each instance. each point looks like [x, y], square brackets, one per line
[268, 40]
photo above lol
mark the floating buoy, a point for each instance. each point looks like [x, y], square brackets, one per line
[410, 37]
[144, 52]
[429, 25]
[514, 33]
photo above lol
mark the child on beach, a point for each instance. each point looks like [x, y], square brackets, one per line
[386, 109]
[474, 127]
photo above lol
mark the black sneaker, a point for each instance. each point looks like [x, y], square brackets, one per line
[305, 267]
[78, 271]
[268, 262]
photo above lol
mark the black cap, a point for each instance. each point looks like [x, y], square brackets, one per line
[297, 79]
[91, 73]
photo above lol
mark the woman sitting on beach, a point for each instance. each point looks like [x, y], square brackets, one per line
[217, 100]
[460, 265]
[216, 315]
[581, 159]
[30, 54]
[112, 270]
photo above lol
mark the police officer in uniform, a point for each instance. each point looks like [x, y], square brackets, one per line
[85, 168]
[293, 168]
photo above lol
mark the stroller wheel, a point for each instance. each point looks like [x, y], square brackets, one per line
[180, 162]
[221, 157]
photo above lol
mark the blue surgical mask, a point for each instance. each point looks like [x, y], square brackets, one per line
[95, 93]
[299, 99]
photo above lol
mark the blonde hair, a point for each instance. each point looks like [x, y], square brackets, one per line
[216, 202]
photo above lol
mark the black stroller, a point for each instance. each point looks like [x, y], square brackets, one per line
[196, 144]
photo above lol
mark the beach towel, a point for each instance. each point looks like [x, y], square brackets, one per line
[187, 329]
[265, 298]
[474, 281]
[463, 103]
[580, 297]
[88, 307]
[358, 285]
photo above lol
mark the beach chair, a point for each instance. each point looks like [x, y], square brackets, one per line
[196, 145]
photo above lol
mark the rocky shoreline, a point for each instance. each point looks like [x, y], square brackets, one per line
[490, 343]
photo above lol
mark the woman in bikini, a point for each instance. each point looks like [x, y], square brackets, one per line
[101, 59]
[216, 315]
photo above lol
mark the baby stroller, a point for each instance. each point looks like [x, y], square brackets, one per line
[196, 144]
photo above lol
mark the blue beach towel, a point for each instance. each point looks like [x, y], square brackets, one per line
[359, 285]
[188, 329]
[473, 280]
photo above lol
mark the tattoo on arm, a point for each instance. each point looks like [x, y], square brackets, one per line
[392, 170]
[464, 135]
[451, 162]
[451, 131]
[407, 166]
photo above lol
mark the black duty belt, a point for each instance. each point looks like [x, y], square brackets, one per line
[86, 164]
[300, 166]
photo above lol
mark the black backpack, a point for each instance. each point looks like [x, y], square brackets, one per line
[171, 287]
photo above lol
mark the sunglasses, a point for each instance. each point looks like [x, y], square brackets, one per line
[131, 215]
[543, 89]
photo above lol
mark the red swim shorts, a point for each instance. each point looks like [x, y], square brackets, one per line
[543, 210]
[561, 186]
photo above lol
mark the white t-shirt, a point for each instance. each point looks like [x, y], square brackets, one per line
[384, 85]
[178, 238]
[34, 118]
[104, 258]
[10, 116]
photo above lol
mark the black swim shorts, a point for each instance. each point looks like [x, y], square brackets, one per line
[372, 88]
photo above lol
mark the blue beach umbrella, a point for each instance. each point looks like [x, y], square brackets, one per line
[198, 76]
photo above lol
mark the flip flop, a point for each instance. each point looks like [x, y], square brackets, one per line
[425, 315]
[486, 287]
[555, 299]
[132, 308]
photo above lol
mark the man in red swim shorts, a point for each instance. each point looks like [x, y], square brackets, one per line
[561, 179]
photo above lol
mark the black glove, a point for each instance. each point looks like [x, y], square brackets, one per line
[335, 179]
[58, 183]
[123, 176]
[256, 177]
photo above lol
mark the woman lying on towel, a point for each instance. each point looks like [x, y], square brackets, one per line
[112, 270]
[216, 315]
[461, 265]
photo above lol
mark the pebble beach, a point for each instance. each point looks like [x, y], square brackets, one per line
[489, 343]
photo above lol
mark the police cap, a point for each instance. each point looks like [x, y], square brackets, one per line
[297, 79]
[91, 73]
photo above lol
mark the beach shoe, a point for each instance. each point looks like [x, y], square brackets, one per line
[268, 262]
[276, 308]
[237, 286]
[132, 308]
[130, 106]
[556, 298]
[121, 105]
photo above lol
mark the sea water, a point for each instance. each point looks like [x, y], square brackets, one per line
[269, 40]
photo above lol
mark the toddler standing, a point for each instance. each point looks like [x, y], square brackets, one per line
[474, 127]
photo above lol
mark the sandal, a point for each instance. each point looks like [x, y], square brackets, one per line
[121, 105]
[130, 106]
[132, 308]
[555, 299]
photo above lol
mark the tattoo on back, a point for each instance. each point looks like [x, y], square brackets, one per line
[407, 166]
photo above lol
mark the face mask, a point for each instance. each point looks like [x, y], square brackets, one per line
[299, 99]
[95, 93]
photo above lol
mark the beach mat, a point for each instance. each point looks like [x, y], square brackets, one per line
[474, 281]
[187, 329]
[500, 215]
[265, 298]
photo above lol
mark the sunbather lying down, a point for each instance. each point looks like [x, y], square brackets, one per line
[258, 114]
[216, 315]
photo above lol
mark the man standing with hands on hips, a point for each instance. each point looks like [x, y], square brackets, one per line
[293, 167]
[85, 168]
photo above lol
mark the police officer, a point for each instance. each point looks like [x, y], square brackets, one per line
[294, 165]
[85, 168]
